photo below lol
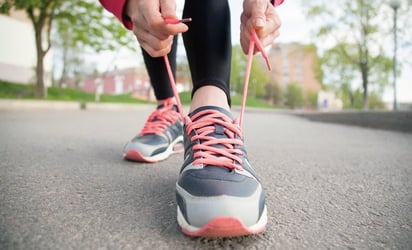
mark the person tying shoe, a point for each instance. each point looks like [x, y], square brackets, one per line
[218, 193]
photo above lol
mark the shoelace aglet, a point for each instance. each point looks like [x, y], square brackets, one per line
[171, 20]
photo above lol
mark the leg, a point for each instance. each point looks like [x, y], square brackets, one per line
[156, 70]
[161, 135]
[208, 47]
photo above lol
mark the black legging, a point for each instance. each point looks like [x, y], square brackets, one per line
[208, 48]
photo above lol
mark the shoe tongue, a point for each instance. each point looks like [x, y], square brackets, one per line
[161, 106]
[219, 131]
[221, 110]
[175, 108]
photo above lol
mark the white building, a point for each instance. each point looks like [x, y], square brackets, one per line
[18, 50]
[327, 101]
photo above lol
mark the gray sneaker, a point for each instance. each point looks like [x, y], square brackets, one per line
[218, 193]
[161, 136]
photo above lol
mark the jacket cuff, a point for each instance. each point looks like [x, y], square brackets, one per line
[276, 2]
[117, 9]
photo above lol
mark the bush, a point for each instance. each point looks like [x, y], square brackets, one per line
[294, 96]
[311, 100]
[375, 101]
[14, 90]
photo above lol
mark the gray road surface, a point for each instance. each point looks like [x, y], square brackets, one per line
[64, 185]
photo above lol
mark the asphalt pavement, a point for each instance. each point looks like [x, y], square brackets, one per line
[64, 184]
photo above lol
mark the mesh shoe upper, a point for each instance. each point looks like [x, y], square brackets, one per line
[216, 179]
[160, 136]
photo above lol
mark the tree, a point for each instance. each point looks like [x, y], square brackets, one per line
[84, 20]
[356, 30]
[95, 31]
[294, 96]
[237, 73]
[259, 75]
[273, 94]
[311, 99]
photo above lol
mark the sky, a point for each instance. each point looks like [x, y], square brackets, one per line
[296, 29]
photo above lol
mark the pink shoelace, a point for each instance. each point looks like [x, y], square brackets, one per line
[223, 152]
[160, 119]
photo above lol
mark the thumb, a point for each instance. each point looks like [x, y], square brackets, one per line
[168, 8]
[258, 14]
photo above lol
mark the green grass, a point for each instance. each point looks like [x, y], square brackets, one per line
[250, 102]
[19, 91]
[67, 94]
[16, 91]
[185, 97]
[124, 98]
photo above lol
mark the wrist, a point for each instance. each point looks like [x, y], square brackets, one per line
[127, 12]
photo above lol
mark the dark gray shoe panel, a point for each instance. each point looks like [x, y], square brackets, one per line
[152, 144]
[207, 192]
[214, 181]
[198, 211]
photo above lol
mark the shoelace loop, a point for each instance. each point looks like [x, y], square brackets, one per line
[160, 119]
[210, 150]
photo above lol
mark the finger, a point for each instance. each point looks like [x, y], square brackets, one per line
[154, 20]
[154, 52]
[268, 40]
[168, 8]
[271, 30]
[153, 45]
[258, 16]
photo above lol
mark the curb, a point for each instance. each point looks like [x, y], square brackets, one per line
[387, 120]
[30, 105]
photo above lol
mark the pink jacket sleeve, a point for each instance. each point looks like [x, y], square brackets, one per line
[116, 8]
[277, 2]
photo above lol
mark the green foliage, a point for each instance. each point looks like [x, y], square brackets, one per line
[357, 100]
[358, 33]
[237, 73]
[85, 23]
[68, 94]
[250, 102]
[13, 90]
[346, 94]
[79, 23]
[375, 101]
[185, 97]
[294, 96]
[311, 99]
[123, 98]
[19, 91]
[274, 94]
[259, 75]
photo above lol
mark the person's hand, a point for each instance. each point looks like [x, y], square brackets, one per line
[261, 16]
[153, 34]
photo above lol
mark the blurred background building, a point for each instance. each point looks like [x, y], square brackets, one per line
[294, 63]
[18, 50]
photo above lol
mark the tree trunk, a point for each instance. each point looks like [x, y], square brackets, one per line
[40, 88]
[364, 70]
